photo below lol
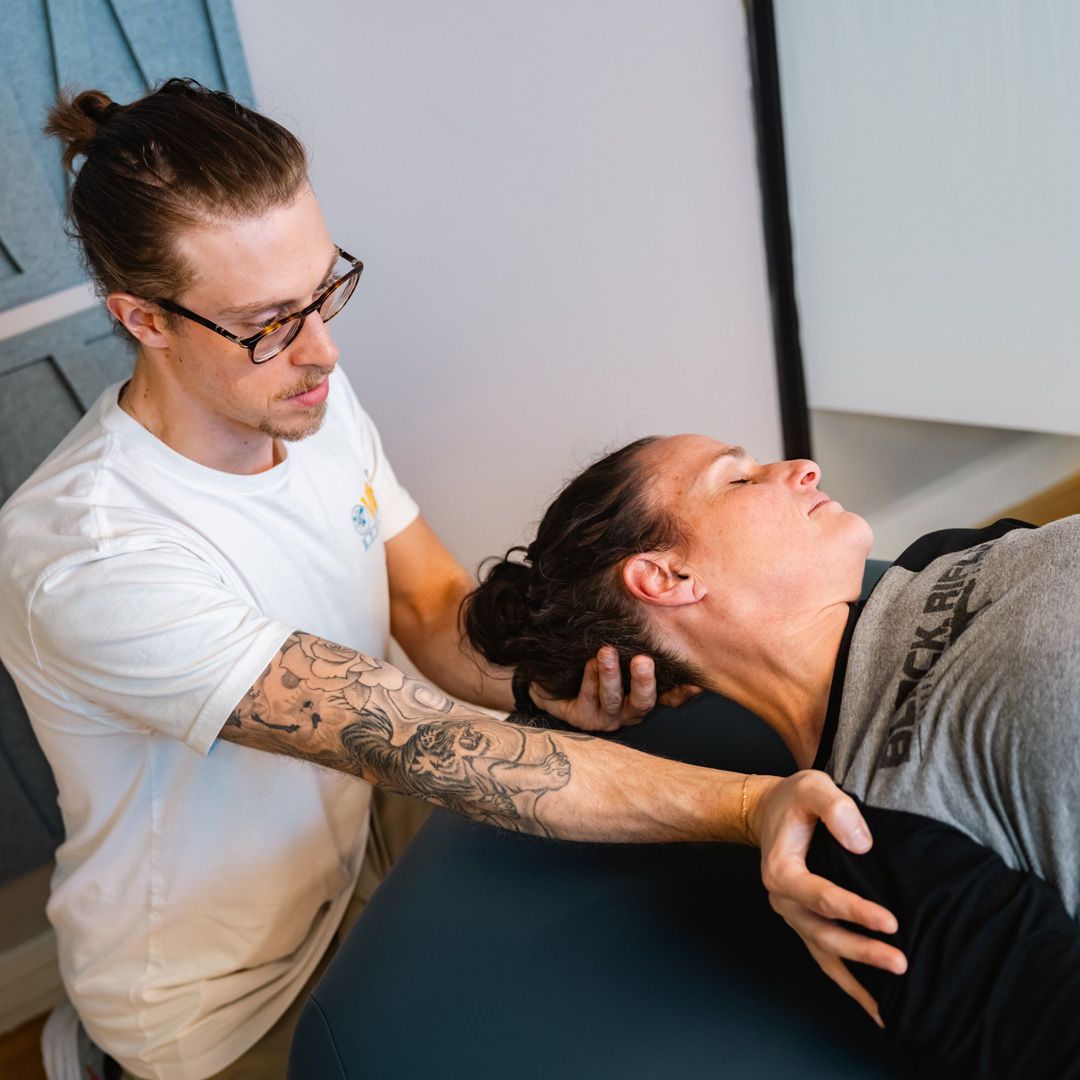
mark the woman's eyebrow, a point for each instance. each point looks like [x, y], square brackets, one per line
[736, 452]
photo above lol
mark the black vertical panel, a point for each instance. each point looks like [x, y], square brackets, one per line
[772, 171]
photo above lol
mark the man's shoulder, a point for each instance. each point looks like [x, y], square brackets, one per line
[58, 511]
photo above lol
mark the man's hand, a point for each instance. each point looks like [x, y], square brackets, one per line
[600, 704]
[781, 815]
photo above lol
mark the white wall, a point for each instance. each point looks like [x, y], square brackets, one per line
[933, 167]
[557, 205]
[909, 477]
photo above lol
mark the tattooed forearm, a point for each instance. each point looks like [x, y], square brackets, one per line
[252, 710]
[337, 707]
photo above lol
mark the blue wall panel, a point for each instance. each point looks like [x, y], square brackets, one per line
[123, 47]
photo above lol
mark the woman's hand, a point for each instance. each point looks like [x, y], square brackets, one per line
[781, 815]
[600, 704]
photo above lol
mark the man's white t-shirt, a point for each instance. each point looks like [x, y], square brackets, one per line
[141, 595]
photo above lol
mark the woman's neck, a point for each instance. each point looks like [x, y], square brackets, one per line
[782, 671]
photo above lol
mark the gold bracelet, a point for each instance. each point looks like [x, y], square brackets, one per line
[743, 816]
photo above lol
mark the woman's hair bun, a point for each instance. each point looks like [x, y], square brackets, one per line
[497, 619]
[76, 120]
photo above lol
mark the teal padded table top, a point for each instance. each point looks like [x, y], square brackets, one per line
[491, 954]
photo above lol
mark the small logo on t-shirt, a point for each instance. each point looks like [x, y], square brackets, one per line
[365, 515]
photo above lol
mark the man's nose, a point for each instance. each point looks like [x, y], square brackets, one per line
[313, 346]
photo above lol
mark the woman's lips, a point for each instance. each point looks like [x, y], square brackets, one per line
[824, 500]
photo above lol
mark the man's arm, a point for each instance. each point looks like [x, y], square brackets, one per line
[334, 706]
[329, 704]
[427, 587]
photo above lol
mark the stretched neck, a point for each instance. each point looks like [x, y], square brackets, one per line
[781, 669]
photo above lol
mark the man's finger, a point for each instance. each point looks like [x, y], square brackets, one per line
[843, 820]
[679, 695]
[838, 972]
[642, 687]
[830, 901]
[570, 709]
[611, 686]
[590, 683]
[836, 940]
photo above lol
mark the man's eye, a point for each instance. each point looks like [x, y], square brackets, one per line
[743, 480]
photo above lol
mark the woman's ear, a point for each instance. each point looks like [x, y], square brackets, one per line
[140, 318]
[659, 578]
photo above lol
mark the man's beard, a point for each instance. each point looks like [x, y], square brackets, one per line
[306, 423]
[301, 427]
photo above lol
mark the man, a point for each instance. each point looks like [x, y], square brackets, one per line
[212, 562]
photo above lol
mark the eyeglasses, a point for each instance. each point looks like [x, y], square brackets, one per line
[281, 333]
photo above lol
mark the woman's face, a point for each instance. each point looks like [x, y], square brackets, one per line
[757, 534]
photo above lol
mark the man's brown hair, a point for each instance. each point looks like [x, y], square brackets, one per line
[181, 156]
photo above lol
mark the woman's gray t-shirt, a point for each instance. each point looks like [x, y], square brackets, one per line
[961, 697]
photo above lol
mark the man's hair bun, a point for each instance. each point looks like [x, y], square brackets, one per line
[76, 120]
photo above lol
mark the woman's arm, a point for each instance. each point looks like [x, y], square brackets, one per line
[993, 984]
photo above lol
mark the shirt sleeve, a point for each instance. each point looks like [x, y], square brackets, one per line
[151, 640]
[993, 980]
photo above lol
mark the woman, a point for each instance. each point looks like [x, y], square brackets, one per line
[951, 692]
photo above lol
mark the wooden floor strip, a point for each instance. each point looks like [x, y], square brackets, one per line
[20, 1052]
[1055, 502]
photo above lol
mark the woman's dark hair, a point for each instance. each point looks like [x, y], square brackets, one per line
[181, 156]
[546, 609]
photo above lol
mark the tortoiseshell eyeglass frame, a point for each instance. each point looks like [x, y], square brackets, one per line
[347, 281]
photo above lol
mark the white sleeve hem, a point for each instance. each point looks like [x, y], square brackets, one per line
[212, 716]
[396, 527]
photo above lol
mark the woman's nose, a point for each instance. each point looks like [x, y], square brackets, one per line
[802, 472]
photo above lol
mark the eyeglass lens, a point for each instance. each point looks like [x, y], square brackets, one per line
[271, 344]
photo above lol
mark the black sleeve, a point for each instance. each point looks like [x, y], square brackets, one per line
[922, 552]
[993, 981]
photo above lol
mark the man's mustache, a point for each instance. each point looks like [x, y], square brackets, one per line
[309, 383]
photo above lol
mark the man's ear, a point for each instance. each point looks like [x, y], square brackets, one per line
[659, 578]
[143, 320]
